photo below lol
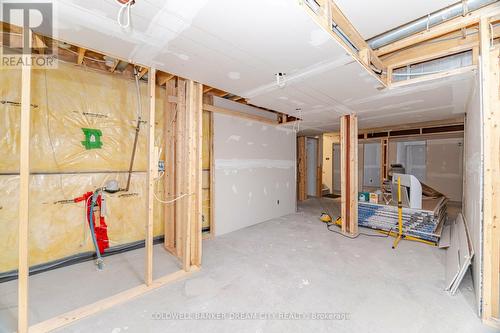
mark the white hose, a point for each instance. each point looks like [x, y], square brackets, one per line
[124, 9]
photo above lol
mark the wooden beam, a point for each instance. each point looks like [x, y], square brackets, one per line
[434, 123]
[228, 112]
[355, 37]
[143, 72]
[207, 89]
[439, 30]
[107, 303]
[349, 173]
[331, 14]
[301, 169]
[81, 55]
[169, 130]
[24, 175]
[112, 69]
[150, 177]
[448, 45]
[490, 84]
[164, 78]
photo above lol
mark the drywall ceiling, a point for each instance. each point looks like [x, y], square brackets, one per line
[372, 18]
[239, 45]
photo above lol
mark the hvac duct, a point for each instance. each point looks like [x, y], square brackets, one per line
[428, 21]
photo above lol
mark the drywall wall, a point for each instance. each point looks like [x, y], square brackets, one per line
[312, 166]
[473, 168]
[436, 161]
[63, 102]
[444, 161]
[255, 172]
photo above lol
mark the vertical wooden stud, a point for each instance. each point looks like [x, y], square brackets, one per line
[490, 83]
[180, 167]
[169, 180]
[24, 174]
[151, 169]
[301, 168]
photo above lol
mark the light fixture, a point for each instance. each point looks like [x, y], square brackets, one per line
[280, 79]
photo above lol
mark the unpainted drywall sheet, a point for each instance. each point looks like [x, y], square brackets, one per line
[255, 173]
[328, 161]
[444, 161]
[472, 203]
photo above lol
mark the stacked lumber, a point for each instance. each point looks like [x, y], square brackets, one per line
[425, 224]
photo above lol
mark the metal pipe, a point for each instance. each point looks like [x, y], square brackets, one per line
[427, 22]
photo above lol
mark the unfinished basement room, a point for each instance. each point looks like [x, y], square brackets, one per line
[250, 166]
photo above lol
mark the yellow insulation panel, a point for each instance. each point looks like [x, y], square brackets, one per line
[63, 102]
[58, 230]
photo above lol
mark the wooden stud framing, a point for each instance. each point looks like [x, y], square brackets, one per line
[169, 181]
[148, 279]
[24, 174]
[180, 167]
[384, 160]
[490, 77]
[439, 30]
[301, 169]
[349, 173]
[143, 72]
[194, 109]
[106, 303]
[81, 55]
[331, 13]
[319, 168]
[216, 109]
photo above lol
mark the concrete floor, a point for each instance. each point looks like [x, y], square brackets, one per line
[293, 264]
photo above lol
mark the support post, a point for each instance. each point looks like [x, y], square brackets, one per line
[491, 184]
[169, 127]
[180, 167]
[148, 280]
[195, 110]
[301, 169]
[24, 174]
[349, 173]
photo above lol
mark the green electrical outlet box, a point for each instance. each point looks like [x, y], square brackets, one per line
[92, 138]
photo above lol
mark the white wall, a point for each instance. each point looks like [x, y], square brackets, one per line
[255, 168]
[472, 203]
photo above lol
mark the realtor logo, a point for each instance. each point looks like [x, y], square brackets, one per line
[27, 37]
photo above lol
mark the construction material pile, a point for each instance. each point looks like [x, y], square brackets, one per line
[425, 224]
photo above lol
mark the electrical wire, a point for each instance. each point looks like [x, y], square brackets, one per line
[124, 9]
[163, 201]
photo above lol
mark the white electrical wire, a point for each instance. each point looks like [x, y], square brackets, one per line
[167, 201]
[124, 9]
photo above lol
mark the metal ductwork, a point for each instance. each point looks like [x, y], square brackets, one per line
[426, 22]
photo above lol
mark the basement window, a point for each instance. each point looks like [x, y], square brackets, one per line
[434, 66]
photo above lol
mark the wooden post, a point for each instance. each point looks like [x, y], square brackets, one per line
[169, 181]
[491, 197]
[151, 169]
[349, 173]
[301, 169]
[196, 172]
[24, 174]
[319, 169]
[180, 167]
[384, 149]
